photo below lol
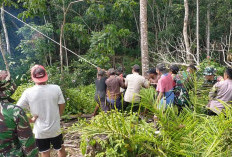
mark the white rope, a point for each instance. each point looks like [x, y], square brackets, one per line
[48, 37]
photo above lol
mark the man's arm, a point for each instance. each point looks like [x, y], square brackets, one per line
[213, 92]
[61, 102]
[23, 102]
[159, 97]
[121, 83]
[146, 83]
[25, 135]
[61, 109]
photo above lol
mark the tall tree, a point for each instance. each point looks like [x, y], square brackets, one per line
[65, 11]
[3, 52]
[208, 29]
[197, 32]
[5, 31]
[144, 40]
[185, 32]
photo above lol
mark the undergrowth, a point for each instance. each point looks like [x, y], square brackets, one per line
[187, 133]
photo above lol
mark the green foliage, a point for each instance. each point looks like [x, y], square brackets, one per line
[118, 135]
[209, 62]
[33, 8]
[80, 100]
[187, 133]
[35, 47]
[20, 89]
[108, 39]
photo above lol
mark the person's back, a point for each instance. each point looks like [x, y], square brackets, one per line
[224, 93]
[181, 97]
[16, 138]
[113, 84]
[100, 88]
[134, 83]
[164, 87]
[221, 92]
[46, 104]
[43, 101]
[100, 94]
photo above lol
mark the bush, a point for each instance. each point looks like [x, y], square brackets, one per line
[80, 99]
[187, 133]
[20, 89]
[211, 63]
[115, 134]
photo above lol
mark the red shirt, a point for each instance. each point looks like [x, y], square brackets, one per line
[165, 83]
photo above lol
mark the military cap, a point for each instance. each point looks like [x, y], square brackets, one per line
[6, 86]
[209, 71]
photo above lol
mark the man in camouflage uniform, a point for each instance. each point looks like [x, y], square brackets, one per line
[210, 78]
[16, 138]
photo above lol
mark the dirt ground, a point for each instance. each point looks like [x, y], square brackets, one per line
[71, 142]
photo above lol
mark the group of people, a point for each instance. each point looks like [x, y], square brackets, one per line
[116, 91]
[46, 105]
[46, 102]
[112, 86]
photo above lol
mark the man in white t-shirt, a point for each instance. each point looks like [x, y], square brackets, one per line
[134, 82]
[46, 104]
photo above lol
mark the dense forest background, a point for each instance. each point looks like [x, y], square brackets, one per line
[112, 33]
[107, 33]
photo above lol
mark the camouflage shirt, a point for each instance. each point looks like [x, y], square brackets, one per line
[7, 88]
[16, 138]
[181, 95]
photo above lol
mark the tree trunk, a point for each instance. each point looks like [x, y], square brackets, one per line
[66, 55]
[185, 32]
[208, 30]
[65, 11]
[144, 40]
[197, 33]
[4, 55]
[61, 50]
[5, 31]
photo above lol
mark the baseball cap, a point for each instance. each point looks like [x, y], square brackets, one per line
[136, 67]
[7, 88]
[39, 74]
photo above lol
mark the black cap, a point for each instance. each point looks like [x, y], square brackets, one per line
[101, 72]
[152, 71]
[136, 67]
